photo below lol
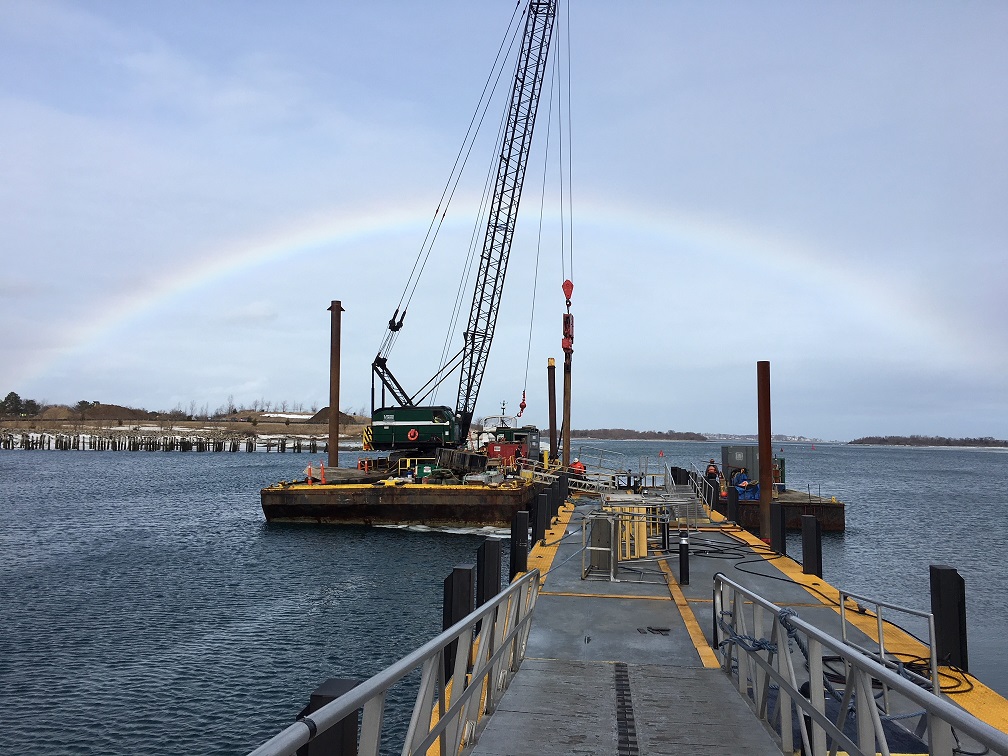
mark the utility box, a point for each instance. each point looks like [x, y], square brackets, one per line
[734, 458]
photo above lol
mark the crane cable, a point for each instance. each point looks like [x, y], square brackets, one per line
[566, 229]
[554, 84]
[482, 217]
[569, 226]
[451, 185]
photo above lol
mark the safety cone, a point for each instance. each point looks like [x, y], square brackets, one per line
[321, 465]
[308, 475]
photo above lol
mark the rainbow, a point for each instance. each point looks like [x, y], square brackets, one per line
[725, 246]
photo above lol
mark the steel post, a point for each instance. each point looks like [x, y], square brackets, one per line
[811, 545]
[551, 381]
[488, 570]
[341, 739]
[765, 446]
[683, 558]
[732, 504]
[778, 528]
[519, 543]
[459, 594]
[336, 308]
[541, 518]
[568, 358]
[948, 605]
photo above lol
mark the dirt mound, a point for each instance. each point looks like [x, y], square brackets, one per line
[322, 416]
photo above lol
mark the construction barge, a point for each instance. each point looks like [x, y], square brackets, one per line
[454, 488]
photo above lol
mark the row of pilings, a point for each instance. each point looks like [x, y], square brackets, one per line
[159, 442]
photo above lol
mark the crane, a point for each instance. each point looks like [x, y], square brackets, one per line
[410, 424]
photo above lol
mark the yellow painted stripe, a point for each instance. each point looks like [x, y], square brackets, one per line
[541, 557]
[707, 656]
[603, 595]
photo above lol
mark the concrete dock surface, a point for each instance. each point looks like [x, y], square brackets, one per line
[626, 666]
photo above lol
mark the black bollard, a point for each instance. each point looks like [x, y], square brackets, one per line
[778, 529]
[811, 540]
[542, 512]
[488, 570]
[519, 544]
[683, 558]
[948, 605]
[341, 738]
[733, 504]
[459, 592]
[564, 488]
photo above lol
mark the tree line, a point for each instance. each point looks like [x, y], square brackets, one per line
[929, 441]
[626, 433]
[14, 406]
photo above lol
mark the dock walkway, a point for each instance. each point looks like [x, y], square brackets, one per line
[615, 667]
[626, 667]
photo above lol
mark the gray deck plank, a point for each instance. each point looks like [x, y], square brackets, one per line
[563, 700]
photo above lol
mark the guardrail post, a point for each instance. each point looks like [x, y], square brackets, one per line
[778, 529]
[488, 570]
[459, 590]
[541, 518]
[519, 544]
[341, 739]
[683, 558]
[948, 605]
[811, 539]
[718, 506]
[733, 504]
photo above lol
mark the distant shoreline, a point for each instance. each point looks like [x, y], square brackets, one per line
[986, 442]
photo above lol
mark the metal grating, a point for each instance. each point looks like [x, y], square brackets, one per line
[626, 728]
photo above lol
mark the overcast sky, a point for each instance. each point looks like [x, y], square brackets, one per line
[186, 186]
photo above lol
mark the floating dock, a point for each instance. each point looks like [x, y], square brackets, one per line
[637, 664]
[647, 624]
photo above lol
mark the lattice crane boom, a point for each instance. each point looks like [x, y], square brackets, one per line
[503, 211]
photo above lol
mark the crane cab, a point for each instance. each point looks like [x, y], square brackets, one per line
[413, 428]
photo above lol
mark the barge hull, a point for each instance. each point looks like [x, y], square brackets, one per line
[407, 504]
[831, 516]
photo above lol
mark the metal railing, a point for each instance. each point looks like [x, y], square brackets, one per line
[703, 488]
[880, 654]
[754, 638]
[602, 459]
[625, 528]
[450, 711]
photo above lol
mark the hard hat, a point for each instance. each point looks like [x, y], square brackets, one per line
[576, 459]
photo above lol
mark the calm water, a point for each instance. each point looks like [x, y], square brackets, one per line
[145, 606]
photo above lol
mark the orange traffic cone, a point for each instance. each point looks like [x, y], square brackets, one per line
[321, 465]
[308, 475]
